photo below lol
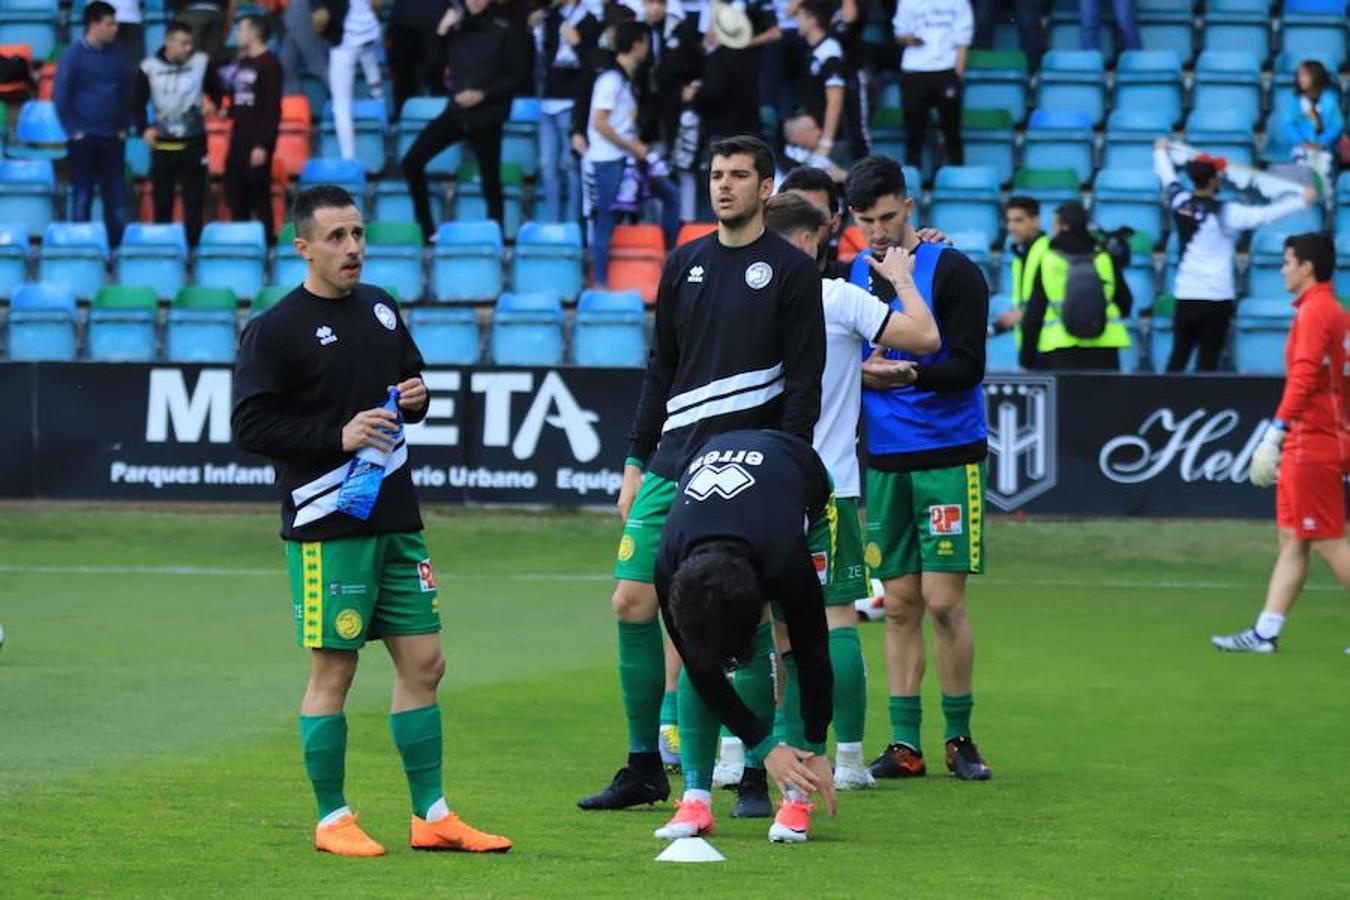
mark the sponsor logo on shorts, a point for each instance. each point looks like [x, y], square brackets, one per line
[946, 548]
[945, 519]
[338, 589]
[821, 561]
[348, 624]
[426, 577]
[872, 555]
[627, 547]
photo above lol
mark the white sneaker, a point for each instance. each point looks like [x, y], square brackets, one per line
[730, 763]
[1246, 641]
[853, 778]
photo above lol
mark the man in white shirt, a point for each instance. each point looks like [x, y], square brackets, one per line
[933, 36]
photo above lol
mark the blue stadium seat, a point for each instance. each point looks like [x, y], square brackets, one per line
[27, 187]
[1286, 66]
[13, 257]
[466, 264]
[74, 254]
[232, 255]
[1000, 353]
[138, 157]
[122, 325]
[1258, 348]
[1168, 25]
[1057, 140]
[527, 330]
[1276, 309]
[1238, 25]
[447, 336]
[394, 258]
[548, 257]
[995, 80]
[1264, 281]
[42, 323]
[1130, 197]
[38, 28]
[1221, 132]
[370, 123]
[1315, 28]
[1341, 280]
[1130, 134]
[1149, 79]
[201, 326]
[38, 133]
[346, 173]
[1309, 218]
[1143, 282]
[520, 136]
[393, 203]
[471, 205]
[989, 140]
[155, 256]
[416, 113]
[1072, 81]
[965, 198]
[1228, 79]
[609, 329]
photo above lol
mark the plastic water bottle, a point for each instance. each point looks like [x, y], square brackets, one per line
[361, 485]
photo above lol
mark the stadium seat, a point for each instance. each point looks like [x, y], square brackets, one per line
[466, 262]
[527, 330]
[1275, 309]
[887, 128]
[74, 254]
[393, 203]
[36, 27]
[1000, 353]
[267, 298]
[471, 205]
[292, 151]
[1238, 25]
[122, 324]
[288, 267]
[996, 80]
[1072, 81]
[42, 323]
[1228, 80]
[201, 326]
[1064, 31]
[394, 258]
[370, 123]
[965, 198]
[637, 254]
[1130, 134]
[1221, 132]
[1315, 28]
[345, 173]
[1341, 222]
[296, 110]
[974, 245]
[446, 336]
[609, 329]
[154, 255]
[1059, 140]
[1266, 256]
[1341, 280]
[1258, 347]
[232, 255]
[1286, 67]
[1149, 79]
[27, 188]
[13, 257]
[1168, 25]
[1161, 337]
[548, 257]
[38, 133]
[520, 136]
[416, 113]
[1128, 197]
[988, 138]
[1049, 186]
[692, 231]
[851, 243]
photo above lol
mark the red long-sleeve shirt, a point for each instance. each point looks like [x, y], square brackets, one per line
[1314, 401]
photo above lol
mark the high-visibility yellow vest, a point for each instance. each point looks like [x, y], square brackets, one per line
[1054, 274]
[1024, 271]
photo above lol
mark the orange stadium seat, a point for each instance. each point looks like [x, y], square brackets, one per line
[851, 243]
[692, 231]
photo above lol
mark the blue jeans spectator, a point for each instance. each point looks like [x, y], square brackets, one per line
[608, 176]
[558, 168]
[101, 161]
[1030, 37]
[1090, 24]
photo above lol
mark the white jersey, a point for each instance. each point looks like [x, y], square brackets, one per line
[852, 316]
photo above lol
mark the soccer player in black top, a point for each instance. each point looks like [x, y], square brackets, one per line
[735, 539]
[311, 375]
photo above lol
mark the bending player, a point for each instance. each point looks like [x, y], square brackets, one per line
[735, 538]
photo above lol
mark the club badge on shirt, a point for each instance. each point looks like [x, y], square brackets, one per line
[758, 274]
[386, 316]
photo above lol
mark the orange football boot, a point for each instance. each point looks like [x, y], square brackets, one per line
[451, 833]
[345, 838]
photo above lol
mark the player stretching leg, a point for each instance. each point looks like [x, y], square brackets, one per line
[735, 539]
[739, 344]
[926, 443]
[1308, 444]
[309, 381]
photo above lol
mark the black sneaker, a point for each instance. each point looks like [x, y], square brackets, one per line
[964, 761]
[898, 761]
[752, 797]
[630, 787]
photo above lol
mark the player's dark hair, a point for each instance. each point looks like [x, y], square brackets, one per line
[259, 25]
[96, 12]
[628, 35]
[1201, 173]
[616, 14]
[820, 10]
[311, 200]
[751, 146]
[1029, 205]
[176, 26]
[1316, 248]
[1072, 217]
[872, 178]
[809, 178]
[716, 605]
[788, 215]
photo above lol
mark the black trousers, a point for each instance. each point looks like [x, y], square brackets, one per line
[416, 59]
[442, 131]
[1202, 324]
[186, 168]
[248, 188]
[920, 92]
[857, 111]
[1081, 359]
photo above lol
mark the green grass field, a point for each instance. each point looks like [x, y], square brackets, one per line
[148, 748]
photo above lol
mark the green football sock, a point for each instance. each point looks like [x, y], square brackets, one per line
[850, 685]
[417, 735]
[754, 684]
[794, 729]
[669, 705]
[906, 715]
[956, 711]
[698, 737]
[642, 680]
[324, 739]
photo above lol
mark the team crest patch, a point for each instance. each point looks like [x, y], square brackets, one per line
[627, 547]
[872, 555]
[348, 624]
[386, 316]
[758, 275]
[426, 576]
[945, 519]
[821, 561]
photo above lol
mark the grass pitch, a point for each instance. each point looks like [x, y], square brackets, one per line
[148, 747]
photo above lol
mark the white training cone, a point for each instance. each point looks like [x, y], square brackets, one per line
[690, 850]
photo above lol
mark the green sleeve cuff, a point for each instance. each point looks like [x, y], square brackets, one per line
[634, 461]
[762, 749]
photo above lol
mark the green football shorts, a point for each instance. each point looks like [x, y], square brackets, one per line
[642, 532]
[928, 521]
[350, 590]
[848, 578]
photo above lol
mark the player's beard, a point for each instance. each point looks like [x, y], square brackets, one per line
[738, 219]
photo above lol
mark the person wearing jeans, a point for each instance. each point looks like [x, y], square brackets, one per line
[1090, 24]
[570, 29]
[360, 38]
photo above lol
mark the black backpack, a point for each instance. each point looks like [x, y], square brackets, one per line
[1083, 310]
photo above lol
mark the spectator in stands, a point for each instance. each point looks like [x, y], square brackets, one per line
[847, 26]
[728, 95]
[173, 82]
[570, 29]
[302, 46]
[515, 15]
[484, 68]
[353, 31]
[1090, 24]
[1207, 229]
[416, 51]
[824, 86]
[934, 36]
[1048, 341]
[801, 134]
[209, 21]
[92, 94]
[254, 81]
[1022, 216]
[676, 59]
[130, 33]
[1030, 31]
[1312, 125]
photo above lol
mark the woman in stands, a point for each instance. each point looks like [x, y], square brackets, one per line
[1313, 123]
